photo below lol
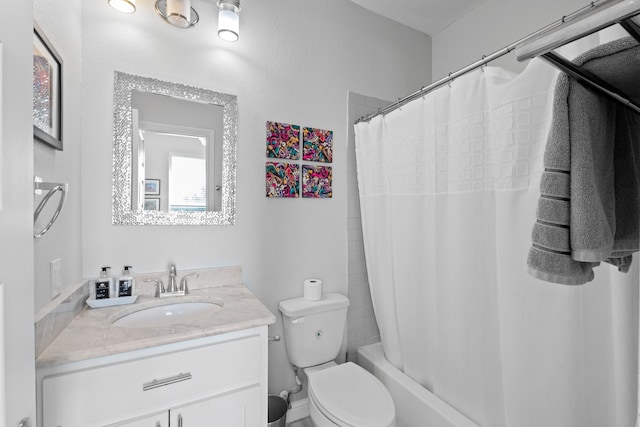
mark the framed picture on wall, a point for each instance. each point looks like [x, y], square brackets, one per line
[47, 91]
[151, 204]
[152, 187]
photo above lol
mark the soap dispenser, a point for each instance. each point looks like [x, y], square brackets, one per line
[126, 282]
[103, 286]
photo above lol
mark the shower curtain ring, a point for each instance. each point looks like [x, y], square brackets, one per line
[450, 80]
[483, 66]
[399, 108]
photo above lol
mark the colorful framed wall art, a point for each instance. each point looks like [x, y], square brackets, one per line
[282, 180]
[317, 182]
[317, 145]
[283, 141]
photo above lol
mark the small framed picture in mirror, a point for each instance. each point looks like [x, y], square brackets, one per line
[151, 204]
[47, 91]
[152, 187]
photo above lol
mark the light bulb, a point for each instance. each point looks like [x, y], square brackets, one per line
[179, 13]
[228, 21]
[124, 6]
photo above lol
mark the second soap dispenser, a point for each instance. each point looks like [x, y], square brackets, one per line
[126, 283]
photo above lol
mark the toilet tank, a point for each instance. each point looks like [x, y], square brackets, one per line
[313, 330]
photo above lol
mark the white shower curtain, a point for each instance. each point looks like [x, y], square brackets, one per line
[448, 191]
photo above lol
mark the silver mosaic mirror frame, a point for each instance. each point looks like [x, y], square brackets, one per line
[124, 84]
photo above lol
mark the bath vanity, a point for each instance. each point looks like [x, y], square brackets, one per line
[205, 370]
[217, 380]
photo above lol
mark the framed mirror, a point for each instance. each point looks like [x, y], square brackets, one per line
[174, 153]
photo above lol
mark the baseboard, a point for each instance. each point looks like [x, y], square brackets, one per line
[299, 410]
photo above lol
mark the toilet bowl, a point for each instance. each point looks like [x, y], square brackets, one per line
[346, 395]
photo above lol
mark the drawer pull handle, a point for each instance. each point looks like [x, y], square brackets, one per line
[179, 420]
[166, 381]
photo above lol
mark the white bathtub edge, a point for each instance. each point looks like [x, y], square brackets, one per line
[415, 405]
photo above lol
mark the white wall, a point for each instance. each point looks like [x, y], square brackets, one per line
[295, 62]
[362, 328]
[16, 210]
[493, 25]
[63, 239]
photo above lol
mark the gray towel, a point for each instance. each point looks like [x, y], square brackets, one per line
[589, 210]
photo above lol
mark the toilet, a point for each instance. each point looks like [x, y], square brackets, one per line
[344, 395]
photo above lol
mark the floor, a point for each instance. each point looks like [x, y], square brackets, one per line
[305, 422]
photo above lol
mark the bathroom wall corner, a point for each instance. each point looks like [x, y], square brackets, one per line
[362, 328]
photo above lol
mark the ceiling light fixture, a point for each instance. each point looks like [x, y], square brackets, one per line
[229, 20]
[178, 13]
[125, 6]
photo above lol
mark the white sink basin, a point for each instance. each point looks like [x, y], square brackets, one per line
[169, 314]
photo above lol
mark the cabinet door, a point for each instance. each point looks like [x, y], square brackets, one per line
[157, 420]
[238, 409]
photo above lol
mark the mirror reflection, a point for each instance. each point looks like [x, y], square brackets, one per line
[174, 153]
[177, 154]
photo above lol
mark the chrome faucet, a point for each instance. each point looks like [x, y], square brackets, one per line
[173, 287]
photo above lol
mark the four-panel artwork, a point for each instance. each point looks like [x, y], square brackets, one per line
[286, 176]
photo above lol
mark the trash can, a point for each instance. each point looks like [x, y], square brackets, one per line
[277, 412]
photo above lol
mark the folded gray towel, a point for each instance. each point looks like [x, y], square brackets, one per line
[589, 209]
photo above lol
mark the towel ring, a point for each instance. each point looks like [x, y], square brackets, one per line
[53, 188]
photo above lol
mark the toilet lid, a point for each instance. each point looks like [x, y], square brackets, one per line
[352, 396]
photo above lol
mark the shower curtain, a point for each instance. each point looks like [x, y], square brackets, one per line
[448, 191]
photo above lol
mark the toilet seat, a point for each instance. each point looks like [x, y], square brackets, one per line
[350, 396]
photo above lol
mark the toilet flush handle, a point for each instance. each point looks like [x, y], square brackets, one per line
[299, 320]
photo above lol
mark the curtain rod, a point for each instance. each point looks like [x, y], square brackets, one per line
[486, 59]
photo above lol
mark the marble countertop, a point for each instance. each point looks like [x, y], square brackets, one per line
[92, 334]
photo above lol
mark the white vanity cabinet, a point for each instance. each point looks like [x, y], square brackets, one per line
[158, 420]
[215, 381]
[233, 410]
[237, 409]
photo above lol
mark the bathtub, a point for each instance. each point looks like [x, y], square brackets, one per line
[415, 405]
